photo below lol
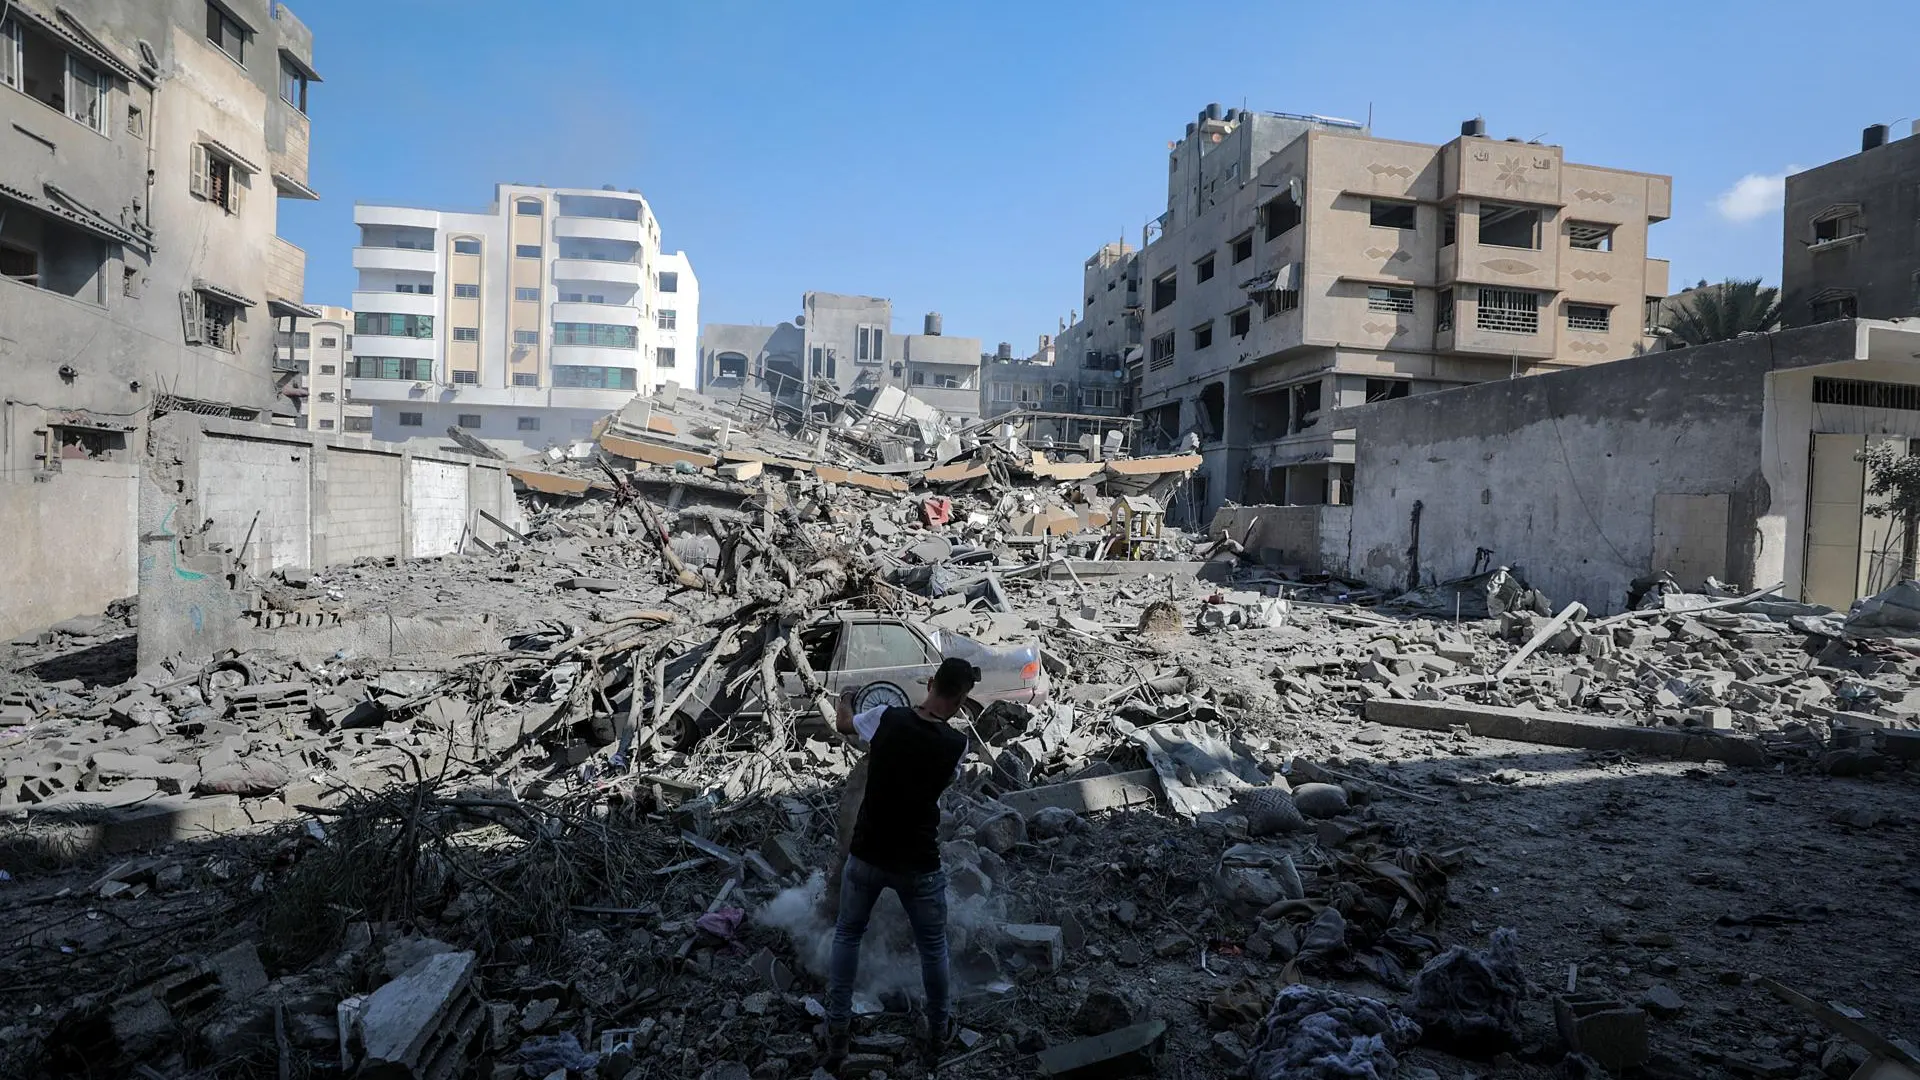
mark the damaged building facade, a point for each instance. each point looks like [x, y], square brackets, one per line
[1303, 265]
[1849, 247]
[1083, 381]
[842, 345]
[1736, 461]
[142, 155]
[521, 325]
[310, 368]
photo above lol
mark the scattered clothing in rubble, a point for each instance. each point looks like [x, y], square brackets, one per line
[1316, 1034]
[542, 1054]
[1469, 999]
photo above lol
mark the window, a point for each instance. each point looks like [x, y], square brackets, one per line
[87, 95]
[466, 378]
[1829, 308]
[596, 298]
[403, 288]
[1391, 214]
[214, 179]
[410, 419]
[521, 292]
[1509, 226]
[601, 334]
[1059, 391]
[1203, 335]
[1597, 318]
[293, 85]
[594, 378]
[326, 425]
[288, 339]
[467, 292]
[667, 319]
[329, 343]
[1090, 298]
[884, 645]
[572, 298]
[1002, 392]
[526, 337]
[392, 325]
[226, 35]
[1831, 225]
[663, 358]
[391, 367]
[919, 378]
[529, 423]
[1100, 399]
[1387, 389]
[669, 281]
[818, 361]
[359, 423]
[1280, 214]
[1443, 316]
[1277, 301]
[1240, 322]
[526, 251]
[1160, 353]
[527, 207]
[136, 117]
[10, 56]
[1203, 270]
[524, 378]
[43, 252]
[1380, 298]
[1165, 288]
[870, 344]
[210, 320]
[326, 395]
[1242, 246]
[466, 247]
[470, 420]
[1590, 235]
[1449, 226]
[1509, 311]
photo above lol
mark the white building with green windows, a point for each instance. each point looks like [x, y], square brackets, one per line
[522, 325]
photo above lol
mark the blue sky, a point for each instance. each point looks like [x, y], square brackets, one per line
[967, 157]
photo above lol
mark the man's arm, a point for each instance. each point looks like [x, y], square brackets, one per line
[843, 713]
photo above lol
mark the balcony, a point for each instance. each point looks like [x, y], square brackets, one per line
[599, 228]
[286, 270]
[383, 345]
[583, 397]
[593, 356]
[624, 273]
[408, 217]
[610, 314]
[394, 258]
[397, 302]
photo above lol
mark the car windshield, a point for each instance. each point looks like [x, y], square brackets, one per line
[883, 645]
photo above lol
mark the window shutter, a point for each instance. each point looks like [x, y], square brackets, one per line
[236, 191]
[190, 316]
[197, 172]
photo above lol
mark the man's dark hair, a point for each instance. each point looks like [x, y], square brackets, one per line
[955, 678]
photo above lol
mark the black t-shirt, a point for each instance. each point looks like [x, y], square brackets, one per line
[912, 760]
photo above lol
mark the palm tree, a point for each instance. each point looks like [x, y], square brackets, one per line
[1722, 312]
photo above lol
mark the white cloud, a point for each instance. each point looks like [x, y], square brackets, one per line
[1754, 195]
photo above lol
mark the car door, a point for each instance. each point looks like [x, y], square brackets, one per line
[883, 652]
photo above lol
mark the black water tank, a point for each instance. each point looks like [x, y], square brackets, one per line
[1476, 127]
[933, 324]
[1213, 111]
[1006, 350]
[1191, 128]
[1873, 135]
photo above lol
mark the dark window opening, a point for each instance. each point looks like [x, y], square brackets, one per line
[1280, 214]
[1509, 226]
[1509, 311]
[392, 325]
[466, 378]
[1161, 354]
[1449, 226]
[1833, 307]
[226, 35]
[1277, 301]
[732, 365]
[411, 369]
[1203, 335]
[1590, 236]
[1388, 389]
[1443, 316]
[42, 252]
[359, 423]
[1203, 270]
[212, 321]
[1594, 318]
[1211, 417]
[669, 281]
[411, 419]
[1389, 214]
[293, 85]
[1242, 248]
[594, 378]
[1240, 322]
[1305, 407]
[1165, 289]
[1836, 227]
[88, 444]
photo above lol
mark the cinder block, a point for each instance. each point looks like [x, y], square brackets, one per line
[1609, 1031]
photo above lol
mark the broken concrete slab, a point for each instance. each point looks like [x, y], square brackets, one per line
[1568, 730]
[1129, 1051]
[1116, 792]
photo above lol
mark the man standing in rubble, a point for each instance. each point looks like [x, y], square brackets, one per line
[914, 754]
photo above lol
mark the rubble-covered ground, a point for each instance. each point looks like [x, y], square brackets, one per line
[512, 861]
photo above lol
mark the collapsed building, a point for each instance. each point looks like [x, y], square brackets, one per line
[422, 762]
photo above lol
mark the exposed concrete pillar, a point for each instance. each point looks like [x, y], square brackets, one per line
[406, 502]
[319, 514]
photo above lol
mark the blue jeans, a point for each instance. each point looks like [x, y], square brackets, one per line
[925, 898]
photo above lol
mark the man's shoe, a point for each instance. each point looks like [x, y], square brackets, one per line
[838, 1039]
[935, 1048]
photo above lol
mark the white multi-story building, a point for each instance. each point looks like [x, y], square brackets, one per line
[522, 325]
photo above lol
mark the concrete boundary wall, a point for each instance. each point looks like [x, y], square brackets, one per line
[218, 493]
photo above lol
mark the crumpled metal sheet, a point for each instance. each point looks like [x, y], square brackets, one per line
[1198, 767]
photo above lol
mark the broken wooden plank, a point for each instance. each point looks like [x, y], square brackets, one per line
[1566, 729]
[1114, 792]
[502, 526]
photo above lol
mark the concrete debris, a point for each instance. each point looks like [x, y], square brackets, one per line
[565, 758]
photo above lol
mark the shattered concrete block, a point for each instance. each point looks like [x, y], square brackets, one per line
[1715, 718]
[426, 1023]
[1044, 945]
[1609, 1031]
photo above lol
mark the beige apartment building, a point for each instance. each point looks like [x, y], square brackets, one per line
[1343, 268]
[311, 366]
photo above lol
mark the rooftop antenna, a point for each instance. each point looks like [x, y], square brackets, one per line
[1369, 117]
[1538, 137]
